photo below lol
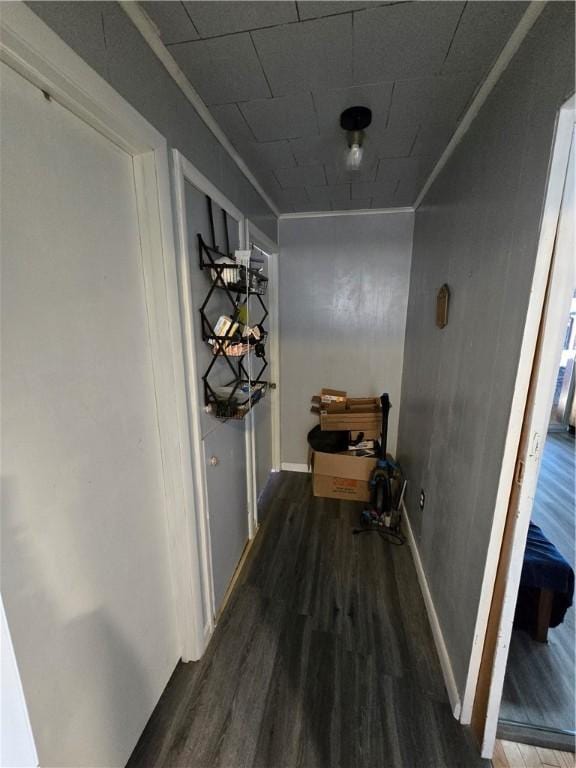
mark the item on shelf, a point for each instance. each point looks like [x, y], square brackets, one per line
[229, 275]
[232, 338]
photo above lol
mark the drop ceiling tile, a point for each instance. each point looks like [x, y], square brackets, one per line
[267, 154]
[311, 150]
[408, 190]
[406, 40]
[287, 117]
[269, 182]
[232, 122]
[394, 141]
[296, 197]
[323, 196]
[337, 173]
[431, 99]
[331, 103]
[406, 169]
[363, 189]
[223, 18]
[352, 205]
[433, 139]
[387, 201]
[482, 33]
[307, 56]
[308, 175]
[222, 70]
[303, 208]
[172, 21]
[314, 9]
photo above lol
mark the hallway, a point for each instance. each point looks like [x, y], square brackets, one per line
[325, 643]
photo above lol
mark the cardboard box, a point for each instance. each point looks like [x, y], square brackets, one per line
[329, 400]
[348, 414]
[352, 421]
[339, 476]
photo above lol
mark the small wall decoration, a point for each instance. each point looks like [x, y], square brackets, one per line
[442, 306]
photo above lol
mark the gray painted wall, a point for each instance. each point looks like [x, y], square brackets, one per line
[102, 34]
[343, 298]
[477, 230]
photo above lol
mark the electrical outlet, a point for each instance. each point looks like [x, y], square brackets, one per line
[422, 499]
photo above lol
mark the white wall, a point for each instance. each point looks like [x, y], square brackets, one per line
[343, 298]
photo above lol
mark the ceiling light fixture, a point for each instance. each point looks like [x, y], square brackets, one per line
[354, 121]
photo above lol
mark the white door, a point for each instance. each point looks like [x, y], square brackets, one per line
[85, 566]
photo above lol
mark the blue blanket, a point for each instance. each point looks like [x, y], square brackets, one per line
[543, 568]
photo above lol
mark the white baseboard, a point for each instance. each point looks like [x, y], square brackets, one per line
[288, 467]
[448, 673]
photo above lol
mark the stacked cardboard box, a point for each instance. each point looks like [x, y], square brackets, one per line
[344, 475]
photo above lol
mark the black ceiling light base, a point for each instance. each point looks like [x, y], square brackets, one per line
[355, 118]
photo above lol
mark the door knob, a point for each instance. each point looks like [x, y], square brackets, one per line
[214, 461]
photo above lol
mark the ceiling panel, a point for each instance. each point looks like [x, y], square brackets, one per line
[411, 169]
[363, 189]
[172, 21]
[337, 173]
[307, 56]
[222, 70]
[301, 176]
[232, 121]
[406, 40]
[310, 150]
[313, 9]
[433, 139]
[482, 33]
[284, 118]
[431, 99]
[352, 205]
[294, 198]
[223, 18]
[267, 154]
[277, 76]
[324, 196]
[331, 103]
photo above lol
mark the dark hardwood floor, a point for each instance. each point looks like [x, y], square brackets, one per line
[539, 688]
[322, 657]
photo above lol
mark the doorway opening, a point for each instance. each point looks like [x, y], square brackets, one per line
[539, 686]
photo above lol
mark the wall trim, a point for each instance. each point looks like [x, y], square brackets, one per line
[287, 466]
[148, 31]
[506, 55]
[445, 663]
[357, 212]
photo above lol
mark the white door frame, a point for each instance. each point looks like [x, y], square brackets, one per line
[31, 48]
[561, 283]
[272, 249]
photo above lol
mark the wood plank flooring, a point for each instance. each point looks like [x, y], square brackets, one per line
[509, 754]
[323, 657]
[539, 687]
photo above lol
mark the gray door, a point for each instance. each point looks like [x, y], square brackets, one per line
[223, 443]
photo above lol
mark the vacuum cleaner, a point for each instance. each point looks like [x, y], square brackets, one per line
[387, 486]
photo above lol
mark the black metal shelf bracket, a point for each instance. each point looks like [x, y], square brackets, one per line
[238, 282]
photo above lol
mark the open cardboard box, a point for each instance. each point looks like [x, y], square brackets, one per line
[339, 476]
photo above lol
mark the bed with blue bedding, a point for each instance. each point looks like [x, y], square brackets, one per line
[546, 586]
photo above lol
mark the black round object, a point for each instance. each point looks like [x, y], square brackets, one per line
[355, 118]
[327, 441]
